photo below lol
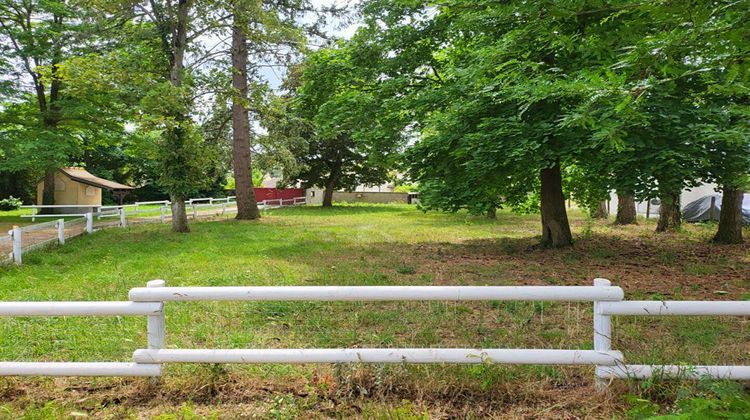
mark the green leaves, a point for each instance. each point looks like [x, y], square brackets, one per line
[622, 93]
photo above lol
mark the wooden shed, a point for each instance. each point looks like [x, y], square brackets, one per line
[76, 186]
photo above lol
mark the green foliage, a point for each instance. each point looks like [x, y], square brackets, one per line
[489, 107]
[671, 110]
[10, 203]
[586, 188]
[328, 122]
[257, 180]
[405, 188]
[635, 98]
[713, 400]
[49, 115]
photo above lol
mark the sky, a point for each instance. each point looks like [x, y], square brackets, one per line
[274, 75]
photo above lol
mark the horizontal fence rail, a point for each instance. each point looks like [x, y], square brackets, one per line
[672, 307]
[680, 371]
[34, 216]
[78, 369]
[374, 293]
[41, 226]
[79, 308]
[149, 301]
[57, 206]
[437, 355]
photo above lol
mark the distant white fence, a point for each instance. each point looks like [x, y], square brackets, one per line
[226, 204]
[23, 239]
[27, 238]
[83, 209]
[150, 301]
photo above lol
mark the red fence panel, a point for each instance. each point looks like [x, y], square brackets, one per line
[275, 193]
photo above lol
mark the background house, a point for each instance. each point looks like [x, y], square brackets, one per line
[76, 186]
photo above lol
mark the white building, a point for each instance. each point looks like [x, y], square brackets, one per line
[651, 209]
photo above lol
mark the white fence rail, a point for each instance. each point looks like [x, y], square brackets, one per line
[135, 208]
[150, 301]
[26, 238]
[375, 293]
[35, 210]
[364, 355]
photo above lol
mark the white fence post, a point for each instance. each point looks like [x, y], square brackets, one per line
[123, 220]
[61, 231]
[195, 212]
[161, 213]
[17, 244]
[156, 325]
[89, 222]
[602, 335]
[33, 213]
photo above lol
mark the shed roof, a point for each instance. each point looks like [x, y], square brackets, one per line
[83, 176]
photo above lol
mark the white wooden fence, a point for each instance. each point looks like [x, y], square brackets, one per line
[25, 238]
[227, 204]
[150, 302]
[82, 209]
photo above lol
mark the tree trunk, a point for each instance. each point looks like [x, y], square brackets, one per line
[331, 183]
[626, 213]
[601, 211]
[179, 215]
[247, 205]
[177, 66]
[328, 193]
[670, 216]
[48, 189]
[492, 212]
[555, 226]
[730, 219]
[179, 43]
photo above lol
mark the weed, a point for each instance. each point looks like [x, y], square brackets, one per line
[405, 269]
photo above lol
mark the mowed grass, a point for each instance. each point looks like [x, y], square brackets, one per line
[8, 219]
[367, 245]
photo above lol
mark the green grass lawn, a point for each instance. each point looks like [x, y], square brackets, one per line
[8, 219]
[367, 245]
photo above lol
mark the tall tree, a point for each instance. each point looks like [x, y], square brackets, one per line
[266, 31]
[247, 206]
[332, 112]
[676, 100]
[183, 158]
[729, 155]
[491, 84]
[36, 37]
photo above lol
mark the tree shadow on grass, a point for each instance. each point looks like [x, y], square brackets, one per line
[647, 267]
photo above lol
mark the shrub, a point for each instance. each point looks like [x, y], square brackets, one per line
[10, 203]
[405, 188]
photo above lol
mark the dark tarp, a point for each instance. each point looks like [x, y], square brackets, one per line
[700, 209]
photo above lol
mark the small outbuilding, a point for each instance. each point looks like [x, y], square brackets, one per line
[709, 208]
[77, 187]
